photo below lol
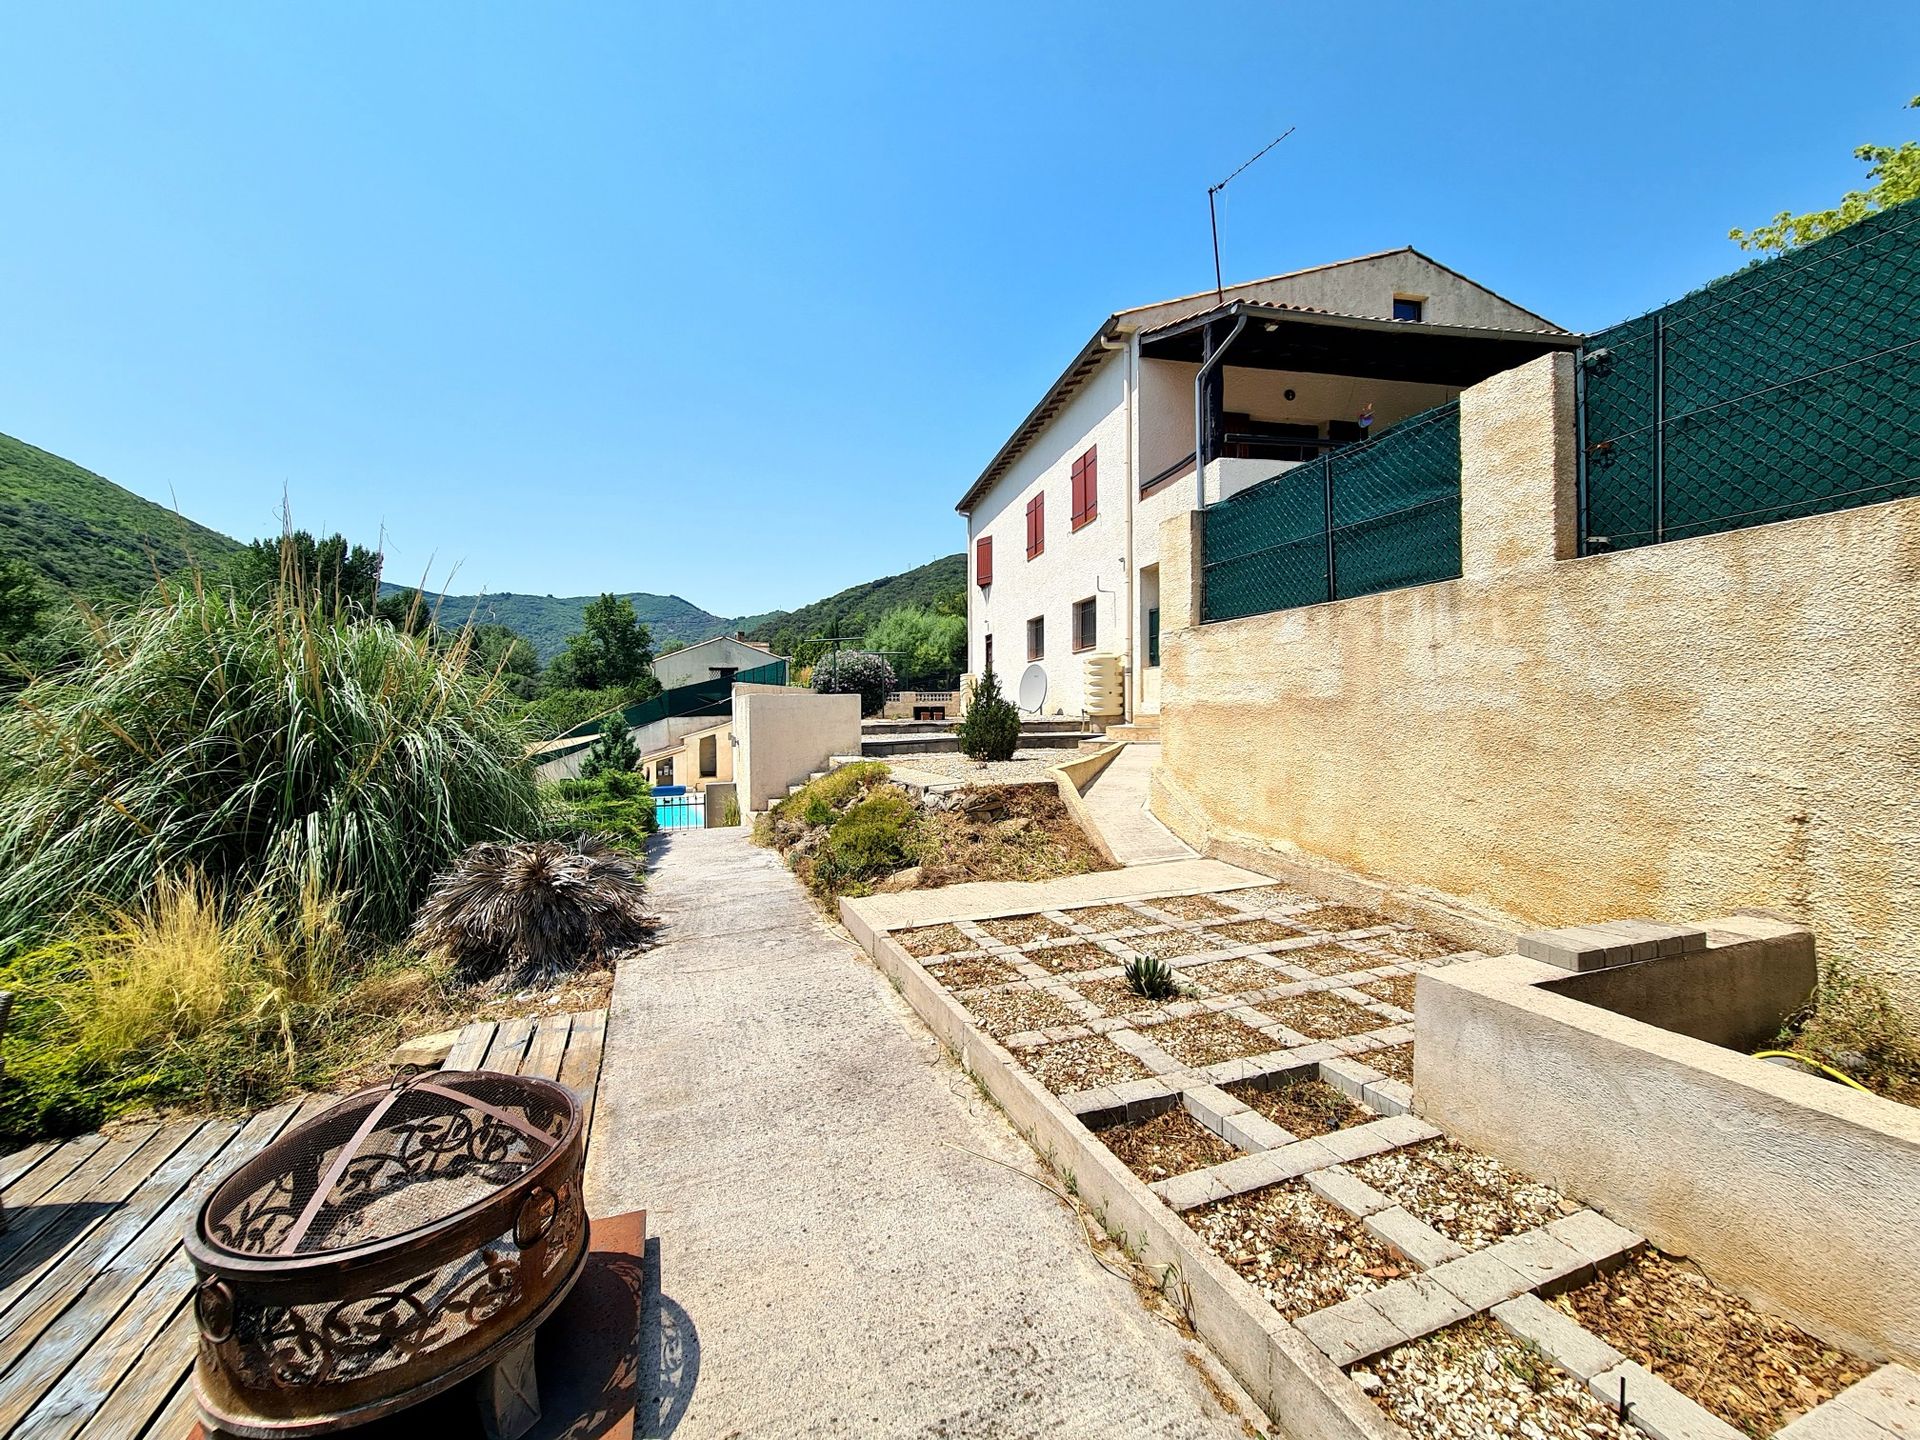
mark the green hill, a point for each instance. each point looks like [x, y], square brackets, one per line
[547, 620]
[853, 609]
[88, 536]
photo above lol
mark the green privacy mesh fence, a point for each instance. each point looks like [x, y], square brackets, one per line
[1781, 391]
[1394, 508]
[695, 699]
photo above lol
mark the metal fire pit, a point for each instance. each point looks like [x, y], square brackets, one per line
[396, 1244]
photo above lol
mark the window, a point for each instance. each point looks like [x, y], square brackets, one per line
[709, 755]
[1036, 637]
[1408, 307]
[983, 561]
[1086, 487]
[1036, 525]
[989, 664]
[1153, 637]
[1085, 626]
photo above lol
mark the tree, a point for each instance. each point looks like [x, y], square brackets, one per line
[855, 672]
[1895, 173]
[499, 650]
[342, 579]
[611, 649]
[990, 730]
[614, 753]
[670, 647]
[23, 603]
[926, 648]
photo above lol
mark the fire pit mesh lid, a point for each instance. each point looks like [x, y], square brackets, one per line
[386, 1163]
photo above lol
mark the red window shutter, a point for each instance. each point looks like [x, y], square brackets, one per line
[983, 561]
[1086, 487]
[1036, 525]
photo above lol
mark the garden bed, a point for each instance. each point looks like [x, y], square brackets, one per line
[930, 940]
[1016, 1009]
[1326, 959]
[1323, 1015]
[969, 972]
[1107, 918]
[1396, 990]
[1250, 932]
[1025, 929]
[1069, 958]
[1303, 1108]
[1470, 1198]
[1209, 1039]
[1165, 944]
[1394, 1061]
[1339, 919]
[1193, 907]
[1114, 996]
[1088, 1064]
[1752, 1370]
[1170, 1143]
[1474, 1379]
[1231, 977]
[1301, 1253]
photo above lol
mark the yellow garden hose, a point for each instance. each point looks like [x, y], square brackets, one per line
[1809, 1060]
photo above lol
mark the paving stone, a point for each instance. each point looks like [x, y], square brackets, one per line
[1252, 1131]
[1347, 1190]
[1405, 1129]
[1539, 1259]
[1388, 1097]
[1666, 939]
[1417, 1306]
[1480, 1279]
[1574, 947]
[1657, 1408]
[1830, 1422]
[1889, 1398]
[1597, 1238]
[1360, 1141]
[1413, 1237]
[1573, 1348]
[1301, 1158]
[1350, 1331]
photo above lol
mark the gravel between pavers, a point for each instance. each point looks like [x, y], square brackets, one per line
[1395, 1062]
[1752, 1370]
[1008, 1012]
[1394, 989]
[1114, 996]
[1250, 932]
[1338, 919]
[1069, 958]
[970, 971]
[1024, 929]
[1470, 1198]
[1105, 918]
[1192, 907]
[1171, 1143]
[1208, 1039]
[1166, 944]
[1085, 1064]
[1300, 1252]
[1305, 1108]
[1474, 1380]
[928, 940]
[1416, 944]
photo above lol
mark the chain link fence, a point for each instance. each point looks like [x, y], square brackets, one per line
[1784, 390]
[1379, 515]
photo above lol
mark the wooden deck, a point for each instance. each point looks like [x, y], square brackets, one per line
[96, 1338]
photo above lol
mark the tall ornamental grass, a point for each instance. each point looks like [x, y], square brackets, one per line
[270, 750]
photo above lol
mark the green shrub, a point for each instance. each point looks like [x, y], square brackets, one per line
[614, 753]
[276, 752]
[875, 837]
[856, 672]
[617, 805]
[990, 730]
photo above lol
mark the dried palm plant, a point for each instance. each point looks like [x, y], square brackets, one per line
[532, 909]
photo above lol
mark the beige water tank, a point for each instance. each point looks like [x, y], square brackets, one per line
[1105, 694]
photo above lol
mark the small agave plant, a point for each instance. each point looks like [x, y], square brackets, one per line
[1151, 978]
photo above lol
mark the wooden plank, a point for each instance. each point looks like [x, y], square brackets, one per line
[45, 1230]
[580, 1070]
[179, 1417]
[66, 1375]
[470, 1048]
[549, 1047]
[19, 1162]
[164, 1366]
[65, 1159]
[509, 1045]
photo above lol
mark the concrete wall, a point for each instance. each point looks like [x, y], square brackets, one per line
[685, 753]
[1799, 1193]
[1689, 728]
[782, 735]
[699, 662]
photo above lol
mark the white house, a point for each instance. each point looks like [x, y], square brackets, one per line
[720, 658]
[1063, 524]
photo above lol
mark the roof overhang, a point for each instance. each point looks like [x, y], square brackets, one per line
[1281, 337]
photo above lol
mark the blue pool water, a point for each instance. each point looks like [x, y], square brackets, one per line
[676, 808]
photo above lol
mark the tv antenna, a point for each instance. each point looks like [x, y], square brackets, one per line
[1219, 290]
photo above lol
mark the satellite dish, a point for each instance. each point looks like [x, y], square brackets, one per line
[1033, 688]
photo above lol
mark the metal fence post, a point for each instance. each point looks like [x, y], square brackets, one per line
[1659, 427]
[1580, 450]
[1326, 482]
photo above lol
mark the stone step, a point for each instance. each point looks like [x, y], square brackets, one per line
[878, 746]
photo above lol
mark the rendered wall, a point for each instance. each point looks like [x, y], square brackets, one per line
[1799, 1193]
[1685, 729]
[783, 735]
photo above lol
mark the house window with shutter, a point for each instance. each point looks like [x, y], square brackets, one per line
[1086, 487]
[1085, 626]
[1036, 525]
[983, 561]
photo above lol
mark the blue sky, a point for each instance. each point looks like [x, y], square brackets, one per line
[732, 301]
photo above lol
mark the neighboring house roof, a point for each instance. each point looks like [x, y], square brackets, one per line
[718, 640]
[1170, 313]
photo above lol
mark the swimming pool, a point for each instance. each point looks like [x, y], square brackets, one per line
[677, 808]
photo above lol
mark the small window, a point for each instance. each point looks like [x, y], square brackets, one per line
[1086, 487]
[1408, 307]
[1036, 525]
[983, 561]
[989, 664]
[1153, 637]
[1036, 637]
[1085, 626]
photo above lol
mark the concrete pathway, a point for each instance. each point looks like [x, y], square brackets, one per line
[1117, 798]
[847, 1240]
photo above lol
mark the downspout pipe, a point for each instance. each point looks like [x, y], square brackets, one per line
[1199, 383]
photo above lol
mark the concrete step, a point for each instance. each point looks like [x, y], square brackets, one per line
[1142, 728]
[880, 747]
